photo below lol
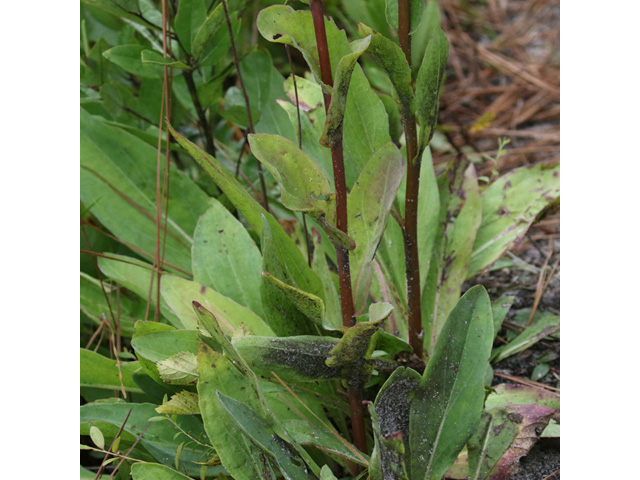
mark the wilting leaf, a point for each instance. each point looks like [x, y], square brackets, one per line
[295, 359]
[183, 403]
[447, 404]
[509, 207]
[225, 257]
[428, 84]
[179, 369]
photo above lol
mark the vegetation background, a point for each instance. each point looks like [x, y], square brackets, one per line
[45, 325]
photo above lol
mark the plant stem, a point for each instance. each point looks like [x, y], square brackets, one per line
[265, 200]
[202, 116]
[410, 231]
[342, 254]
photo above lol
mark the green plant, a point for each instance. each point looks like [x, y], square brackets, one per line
[278, 309]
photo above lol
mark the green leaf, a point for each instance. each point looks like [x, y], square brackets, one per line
[237, 453]
[366, 127]
[305, 186]
[191, 15]
[532, 334]
[420, 38]
[235, 108]
[428, 214]
[135, 275]
[263, 434]
[101, 372]
[369, 12]
[495, 433]
[118, 181]
[294, 359]
[154, 471]
[153, 57]
[183, 403]
[159, 346]
[332, 319]
[509, 207]
[93, 303]
[368, 205]
[161, 439]
[296, 265]
[97, 437]
[388, 54]
[510, 394]
[225, 257]
[306, 303]
[214, 26]
[500, 309]
[415, 13]
[129, 57]
[447, 404]
[458, 222]
[280, 313]
[428, 85]
[327, 474]
[333, 128]
[179, 295]
[179, 369]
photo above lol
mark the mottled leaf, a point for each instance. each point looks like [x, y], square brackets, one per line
[179, 369]
[306, 303]
[183, 403]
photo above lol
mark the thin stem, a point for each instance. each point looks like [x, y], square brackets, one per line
[342, 254]
[265, 200]
[202, 116]
[295, 90]
[410, 231]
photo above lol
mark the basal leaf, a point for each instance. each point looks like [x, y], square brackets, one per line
[510, 394]
[500, 309]
[495, 433]
[447, 404]
[530, 335]
[509, 207]
[225, 257]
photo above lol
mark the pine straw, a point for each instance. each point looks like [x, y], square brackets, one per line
[504, 66]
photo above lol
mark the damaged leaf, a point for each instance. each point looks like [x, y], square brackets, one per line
[182, 403]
